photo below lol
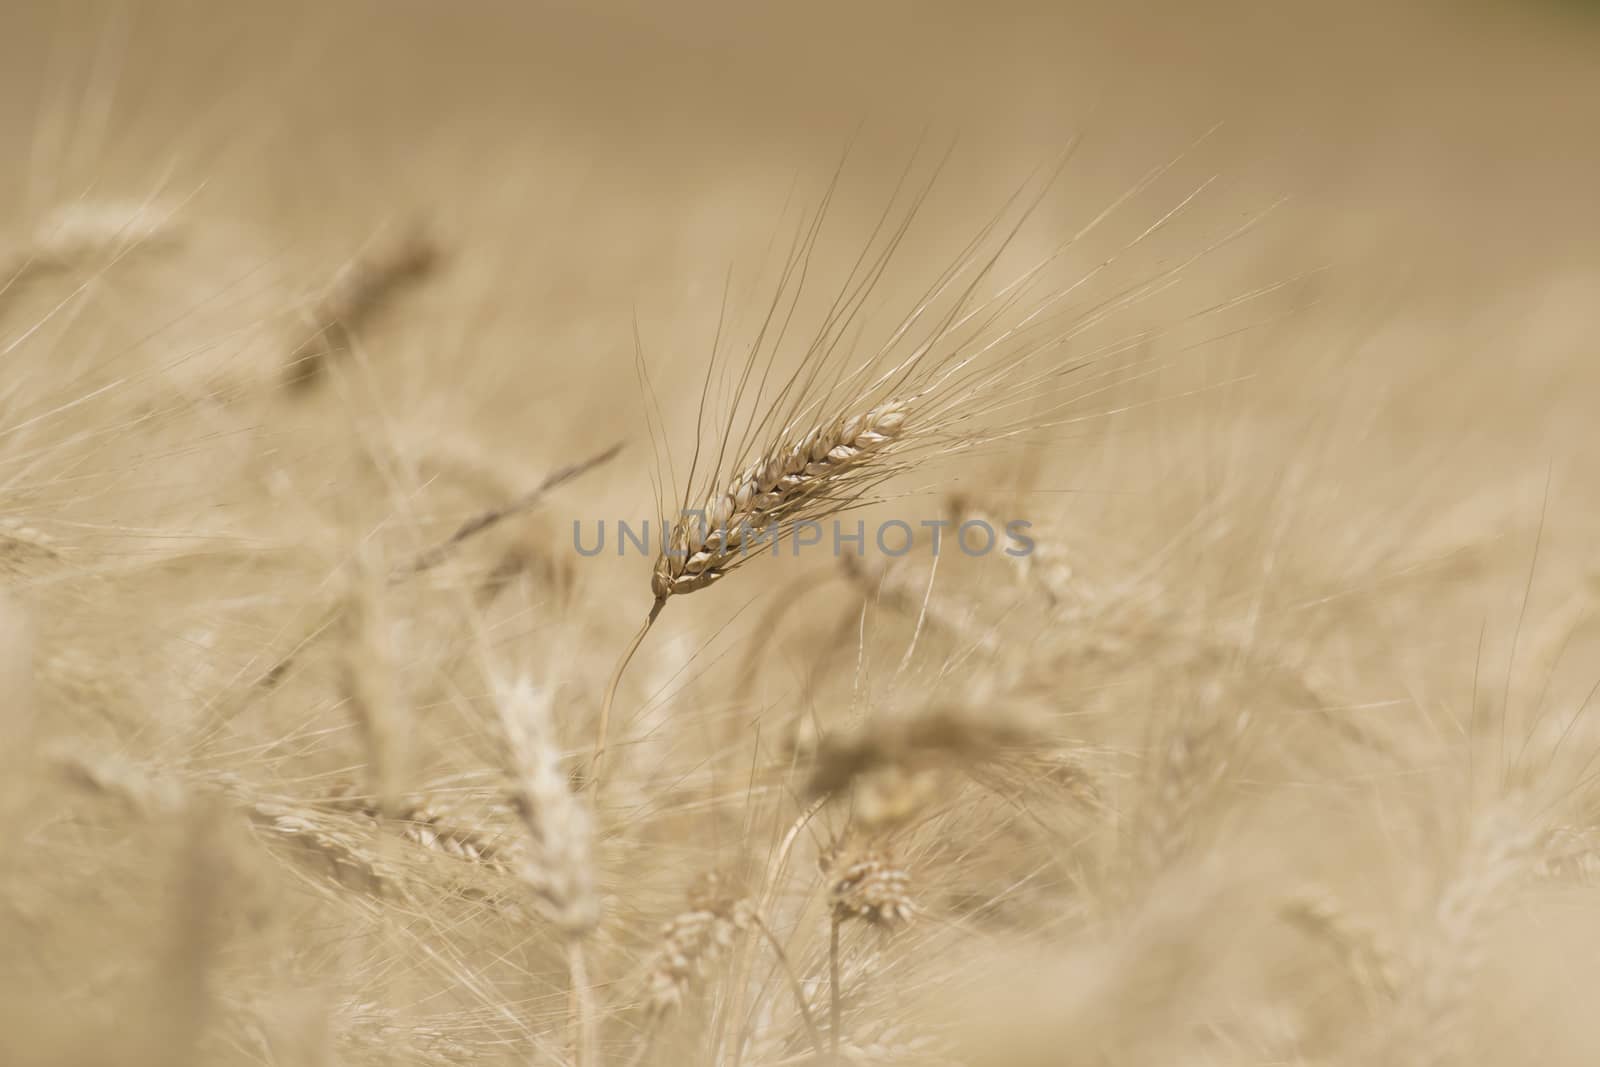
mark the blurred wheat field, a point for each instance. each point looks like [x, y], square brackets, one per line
[1280, 749]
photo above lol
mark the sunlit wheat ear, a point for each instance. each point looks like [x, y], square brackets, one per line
[865, 884]
[820, 472]
[560, 866]
[560, 869]
[794, 480]
[339, 848]
[437, 829]
[693, 941]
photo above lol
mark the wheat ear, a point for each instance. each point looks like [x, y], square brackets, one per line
[792, 481]
[787, 483]
[561, 869]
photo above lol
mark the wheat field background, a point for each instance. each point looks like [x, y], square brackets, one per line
[1282, 747]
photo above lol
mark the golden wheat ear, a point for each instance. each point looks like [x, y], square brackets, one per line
[816, 475]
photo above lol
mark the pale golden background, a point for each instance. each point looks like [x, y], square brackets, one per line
[1369, 521]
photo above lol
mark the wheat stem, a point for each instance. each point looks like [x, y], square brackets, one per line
[794, 983]
[611, 691]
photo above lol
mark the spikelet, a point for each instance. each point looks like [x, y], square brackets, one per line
[344, 851]
[865, 883]
[428, 828]
[694, 940]
[436, 828]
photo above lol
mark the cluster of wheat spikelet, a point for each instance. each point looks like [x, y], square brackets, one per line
[781, 487]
